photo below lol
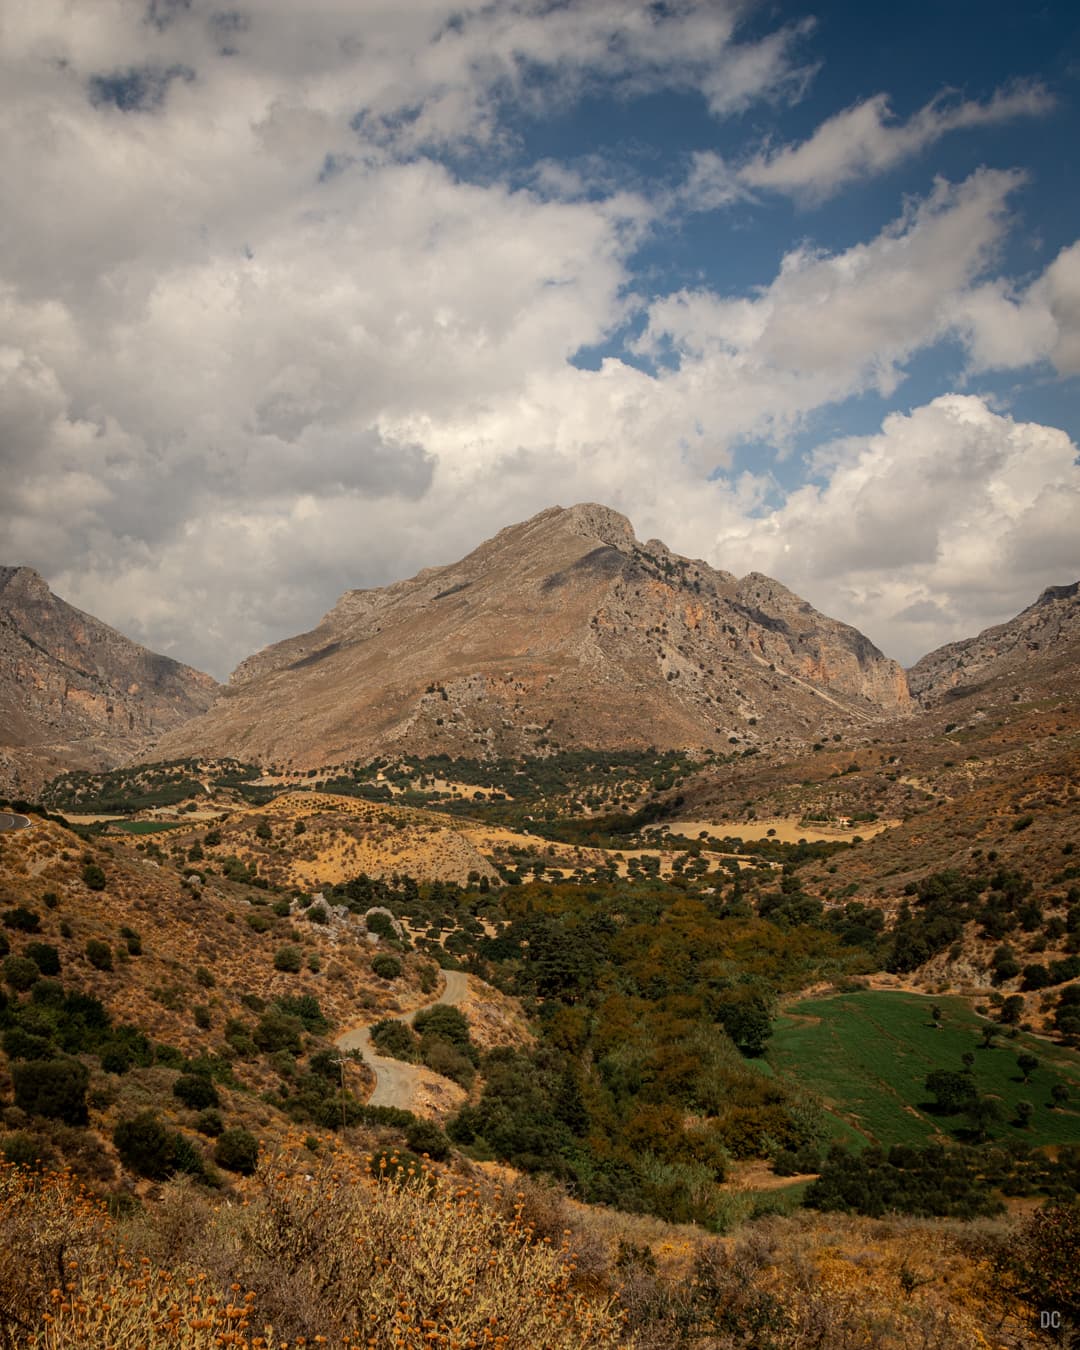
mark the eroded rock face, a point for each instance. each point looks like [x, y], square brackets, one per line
[76, 693]
[1047, 631]
[563, 630]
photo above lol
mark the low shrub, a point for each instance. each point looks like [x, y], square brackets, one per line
[99, 954]
[387, 967]
[196, 1091]
[289, 959]
[237, 1151]
[55, 1088]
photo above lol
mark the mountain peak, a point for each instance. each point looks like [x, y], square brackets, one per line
[25, 581]
[561, 630]
[1054, 593]
[594, 521]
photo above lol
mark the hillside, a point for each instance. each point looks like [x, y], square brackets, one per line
[561, 631]
[1040, 646]
[75, 693]
[615, 1037]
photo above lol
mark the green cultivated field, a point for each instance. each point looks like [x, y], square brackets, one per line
[867, 1055]
[146, 826]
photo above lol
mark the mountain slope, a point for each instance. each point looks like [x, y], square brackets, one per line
[1041, 644]
[75, 693]
[561, 630]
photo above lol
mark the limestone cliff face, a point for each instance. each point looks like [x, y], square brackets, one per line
[75, 692]
[563, 630]
[1044, 635]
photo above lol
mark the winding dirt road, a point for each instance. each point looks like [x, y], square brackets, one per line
[396, 1083]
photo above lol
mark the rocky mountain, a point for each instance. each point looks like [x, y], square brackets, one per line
[1038, 644]
[75, 693]
[563, 630]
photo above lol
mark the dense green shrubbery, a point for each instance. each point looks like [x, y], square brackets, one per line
[149, 1149]
[21, 919]
[196, 1091]
[930, 1181]
[45, 956]
[395, 1039]
[237, 1151]
[306, 1008]
[54, 1088]
[387, 967]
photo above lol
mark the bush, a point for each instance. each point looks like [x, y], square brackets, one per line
[445, 1023]
[382, 925]
[196, 1091]
[385, 966]
[20, 973]
[45, 956]
[23, 920]
[446, 1059]
[276, 1030]
[55, 1088]
[210, 1122]
[424, 1136]
[23, 1150]
[145, 1146]
[289, 959]
[1041, 1260]
[94, 878]
[306, 1007]
[237, 1151]
[395, 1039]
[99, 954]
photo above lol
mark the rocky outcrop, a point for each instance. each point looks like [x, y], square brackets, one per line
[1043, 636]
[75, 693]
[563, 630]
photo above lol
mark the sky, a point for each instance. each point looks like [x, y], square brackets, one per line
[301, 298]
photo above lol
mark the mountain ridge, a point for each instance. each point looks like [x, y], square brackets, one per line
[76, 693]
[1043, 634]
[561, 629]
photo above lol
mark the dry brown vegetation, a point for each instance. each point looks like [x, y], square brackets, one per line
[391, 1258]
[358, 1252]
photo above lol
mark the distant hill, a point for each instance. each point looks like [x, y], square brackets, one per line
[75, 693]
[1042, 643]
[563, 630]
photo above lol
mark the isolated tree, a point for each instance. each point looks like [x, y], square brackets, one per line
[1059, 1095]
[1027, 1064]
[1024, 1112]
[982, 1113]
[953, 1091]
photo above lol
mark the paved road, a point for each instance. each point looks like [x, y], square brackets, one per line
[11, 822]
[395, 1082]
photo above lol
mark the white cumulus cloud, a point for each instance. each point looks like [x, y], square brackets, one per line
[868, 139]
[951, 518]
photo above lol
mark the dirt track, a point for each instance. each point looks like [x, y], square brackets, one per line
[397, 1083]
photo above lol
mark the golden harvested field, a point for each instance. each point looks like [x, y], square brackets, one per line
[784, 829]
